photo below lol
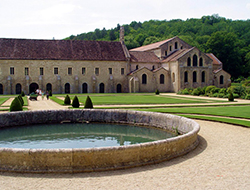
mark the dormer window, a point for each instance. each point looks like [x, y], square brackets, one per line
[166, 53]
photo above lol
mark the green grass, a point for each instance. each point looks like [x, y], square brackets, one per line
[229, 111]
[219, 119]
[132, 99]
[2, 100]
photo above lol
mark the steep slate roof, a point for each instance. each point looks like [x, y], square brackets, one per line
[216, 61]
[152, 46]
[143, 57]
[29, 49]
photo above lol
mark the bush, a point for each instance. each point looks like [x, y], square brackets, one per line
[231, 97]
[157, 92]
[16, 105]
[185, 91]
[220, 95]
[75, 102]
[67, 100]
[50, 93]
[240, 90]
[223, 91]
[247, 97]
[236, 95]
[197, 91]
[20, 99]
[88, 103]
[209, 89]
[22, 94]
[213, 95]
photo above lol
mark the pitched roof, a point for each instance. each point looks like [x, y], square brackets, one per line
[177, 54]
[216, 61]
[60, 50]
[152, 46]
[143, 57]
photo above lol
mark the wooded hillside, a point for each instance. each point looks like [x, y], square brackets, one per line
[228, 39]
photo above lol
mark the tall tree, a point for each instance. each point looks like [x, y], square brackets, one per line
[223, 46]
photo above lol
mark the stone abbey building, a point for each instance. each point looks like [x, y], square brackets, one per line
[71, 66]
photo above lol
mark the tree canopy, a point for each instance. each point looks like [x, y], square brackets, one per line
[227, 39]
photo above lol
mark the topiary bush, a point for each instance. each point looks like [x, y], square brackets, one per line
[22, 94]
[67, 100]
[231, 97]
[157, 92]
[197, 91]
[75, 102]
[20, 99]
[88, 103]
[16, 105]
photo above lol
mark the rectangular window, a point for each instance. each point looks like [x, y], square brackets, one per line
[41, 70]
[110, 71]
[122, 71]
[70, 71]
[56, 70]
[26, 71]
[97, 71]
[83, 70]
[11, 70]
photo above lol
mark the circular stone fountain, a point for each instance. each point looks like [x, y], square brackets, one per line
[71, 160]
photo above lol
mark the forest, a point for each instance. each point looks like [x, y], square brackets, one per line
[227, 39]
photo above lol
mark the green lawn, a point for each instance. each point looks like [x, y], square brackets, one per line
[2, 100]
[229, 111]
[132, 99]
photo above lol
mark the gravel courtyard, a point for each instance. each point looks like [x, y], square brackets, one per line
[221, 161]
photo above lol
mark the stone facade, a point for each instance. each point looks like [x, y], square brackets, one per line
[105, 67]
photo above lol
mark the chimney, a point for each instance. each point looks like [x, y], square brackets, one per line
[121, 34]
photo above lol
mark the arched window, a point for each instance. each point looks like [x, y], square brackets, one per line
[119, 88]
[185, 76]
[1, 89]
[173, 77]
[153, 67]
[67, 88]
[144, 79]
[201, 62]
[221, 79]
[85, 88]
[101, 88]
[136, 67]
[203, 76]
[18, 88]
[176, 45]
[194, 76]
[189, 62]
[195, 61]
[48, 87]
[162, 78]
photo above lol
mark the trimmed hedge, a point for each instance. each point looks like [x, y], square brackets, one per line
[75, 102]
[16, 105]
[88, 103]
[67, 100]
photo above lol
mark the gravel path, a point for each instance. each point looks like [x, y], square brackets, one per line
[221, 161]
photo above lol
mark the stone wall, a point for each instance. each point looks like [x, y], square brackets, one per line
[97, 159]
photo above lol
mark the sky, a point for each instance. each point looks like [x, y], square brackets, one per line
[58, 19]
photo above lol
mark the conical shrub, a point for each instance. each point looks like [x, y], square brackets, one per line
[16, 105]
[67, 100]
[231, 97]
[22, 93]
[75, 102]
[20, 99]
[88, 103]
